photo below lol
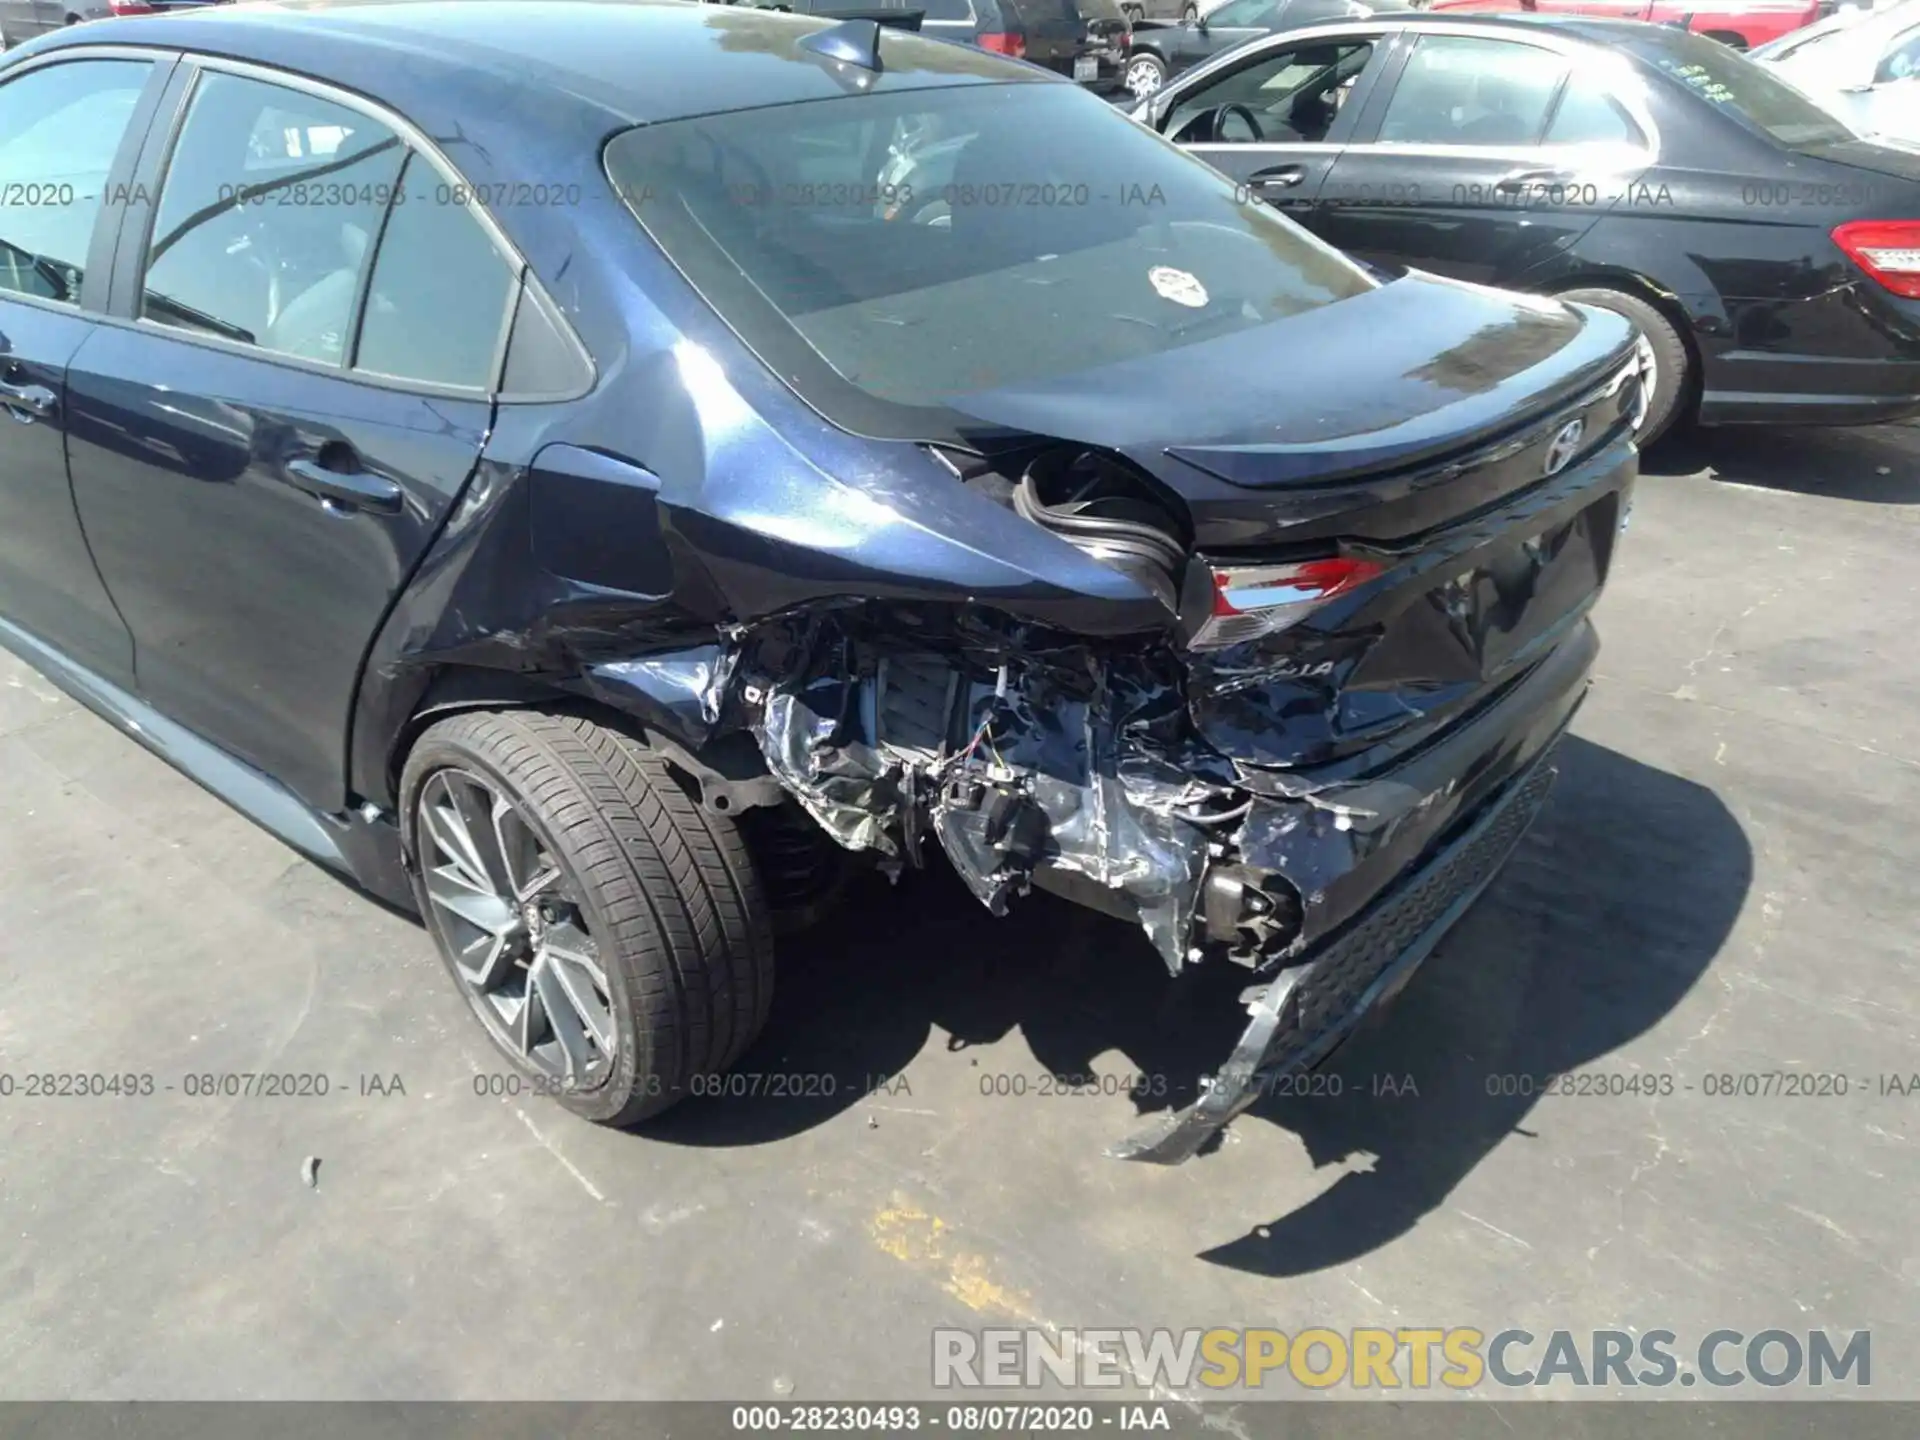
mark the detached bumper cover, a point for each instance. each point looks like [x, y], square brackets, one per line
[1306, 1012]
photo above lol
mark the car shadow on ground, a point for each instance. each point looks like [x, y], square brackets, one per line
[1610, 911]
[1879, 464]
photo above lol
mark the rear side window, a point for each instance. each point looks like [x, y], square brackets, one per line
[310, 230]
[978, 238]
[1461, 91]
[437, 303]
[62, 126]
[257, 237]
[1735, 86]
[1588, 115]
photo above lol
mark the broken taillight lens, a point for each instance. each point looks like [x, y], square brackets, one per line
[1254, 600]
[1888, 250]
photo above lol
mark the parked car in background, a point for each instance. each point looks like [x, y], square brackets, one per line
[23, 19]
[1770, 257]
[1085, 40]
[1862, 65]
[606, 510]
[1741, 24]
[1159, 51]
[1138, 10]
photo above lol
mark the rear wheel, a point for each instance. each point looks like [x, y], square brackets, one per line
[1190, 14]
[609, 933]
[1671, 390]
[1146, 73]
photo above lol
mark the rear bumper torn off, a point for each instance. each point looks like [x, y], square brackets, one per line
[1048, 765]
[1299, 1018]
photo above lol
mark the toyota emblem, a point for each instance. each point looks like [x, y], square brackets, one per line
[1565, 445]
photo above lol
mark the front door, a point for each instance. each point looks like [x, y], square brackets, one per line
[1276, 121]
[260, 455]
[63, 124]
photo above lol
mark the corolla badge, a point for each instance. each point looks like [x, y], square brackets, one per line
[1178, 286]
[1564, 446]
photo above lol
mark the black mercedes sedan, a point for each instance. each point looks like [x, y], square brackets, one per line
[547, 462]
[1770, 257]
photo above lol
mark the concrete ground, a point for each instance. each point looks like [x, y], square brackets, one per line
[1722, 884]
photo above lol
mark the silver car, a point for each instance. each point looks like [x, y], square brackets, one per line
[1864, 66]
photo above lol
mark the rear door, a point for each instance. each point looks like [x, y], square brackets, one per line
[1275, 120]
[1489, 155]
[291, 389]
[63, 126]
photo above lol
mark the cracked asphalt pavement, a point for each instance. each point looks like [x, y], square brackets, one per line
[1722, 885]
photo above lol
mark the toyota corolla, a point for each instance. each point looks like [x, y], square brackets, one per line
[541, 462]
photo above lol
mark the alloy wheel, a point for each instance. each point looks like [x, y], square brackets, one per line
[511, 922]
[1143, 78]
[1649, 377]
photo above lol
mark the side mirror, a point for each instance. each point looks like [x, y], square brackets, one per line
[1200, 23]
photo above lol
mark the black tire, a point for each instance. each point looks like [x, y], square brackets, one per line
[666, 890]
[1674, 377]
[1190, 14]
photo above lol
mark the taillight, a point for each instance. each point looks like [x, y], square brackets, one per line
[1888, 250]
[1014, 45]
[1254, 600]
[129, 7]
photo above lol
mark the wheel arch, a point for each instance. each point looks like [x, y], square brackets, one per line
[725, 774]
[1641, 288]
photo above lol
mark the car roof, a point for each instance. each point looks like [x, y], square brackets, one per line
[643, 61]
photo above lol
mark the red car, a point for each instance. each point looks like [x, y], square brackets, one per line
[1743, 24]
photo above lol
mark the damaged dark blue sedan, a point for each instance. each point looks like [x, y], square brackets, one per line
[545, 462]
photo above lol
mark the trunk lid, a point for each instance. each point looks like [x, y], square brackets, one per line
[1292, 432]
[1880, 157]
[1475, 454]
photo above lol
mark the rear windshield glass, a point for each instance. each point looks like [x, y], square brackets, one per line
[1732, 83]
[886, 254]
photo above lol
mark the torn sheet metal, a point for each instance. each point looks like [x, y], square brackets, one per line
[1302, 1015]
[1014, 755]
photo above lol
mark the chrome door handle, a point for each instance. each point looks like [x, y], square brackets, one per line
[350, 489]
[1519, 179]
[27, 403]
[1280, 177]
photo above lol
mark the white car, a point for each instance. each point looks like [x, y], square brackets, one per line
[1863, 65]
